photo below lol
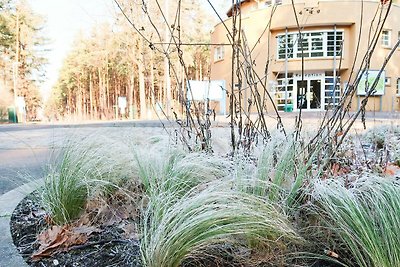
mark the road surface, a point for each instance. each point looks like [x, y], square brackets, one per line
[25, 150]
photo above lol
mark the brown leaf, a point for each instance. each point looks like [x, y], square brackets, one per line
[331, 254]
[74, 239]
[87, 230]
[49, 240]
[392, 169]
[58, 238]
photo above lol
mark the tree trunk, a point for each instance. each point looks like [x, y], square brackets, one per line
[91, 95]
[142, 93]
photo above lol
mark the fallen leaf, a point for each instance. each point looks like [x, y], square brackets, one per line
[57, 238]
[88, 230]
[49, 240]
[392, 169]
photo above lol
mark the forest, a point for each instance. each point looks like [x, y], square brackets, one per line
[140, 58]
[143, 59]
[23, 51]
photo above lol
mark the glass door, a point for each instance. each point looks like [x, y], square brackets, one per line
[302, 94]
[309, 94]
[314, 94]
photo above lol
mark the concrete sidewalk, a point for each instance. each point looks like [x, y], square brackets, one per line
[9, 255]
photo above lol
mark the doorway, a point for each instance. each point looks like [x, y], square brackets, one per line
[309, 94]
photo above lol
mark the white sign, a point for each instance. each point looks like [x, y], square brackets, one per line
[20, 102]
[202, 90]
[309, 75]
[122, 104]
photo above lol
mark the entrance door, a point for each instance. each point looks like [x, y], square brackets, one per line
[315, 94]
[309, 94]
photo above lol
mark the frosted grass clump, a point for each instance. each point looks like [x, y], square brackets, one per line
[212, 213]
[365, 217]
[80, 170]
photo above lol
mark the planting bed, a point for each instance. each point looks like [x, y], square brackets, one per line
[161, 206]
[107, 247]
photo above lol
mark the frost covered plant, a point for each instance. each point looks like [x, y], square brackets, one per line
[279, 173]
[193, 204]
[380, 135]
[176, 171]
[82, 169]
[65, 188]
[364, 217]
[207, 215]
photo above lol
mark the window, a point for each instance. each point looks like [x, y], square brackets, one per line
[332, 92]
[334, 43]
[283, 91]
[312, 44]
[219, 53]
[387, 81]
[398, 38]
[386, 38]
[282, 46]
[398, 87]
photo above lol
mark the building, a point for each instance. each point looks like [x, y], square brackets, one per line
[330, 33]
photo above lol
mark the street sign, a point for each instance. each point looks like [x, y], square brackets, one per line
[20, 102]
[122, 104]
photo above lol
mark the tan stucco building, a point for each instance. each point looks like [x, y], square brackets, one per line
[331, 30]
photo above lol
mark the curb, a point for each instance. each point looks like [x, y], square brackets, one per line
[9, 255]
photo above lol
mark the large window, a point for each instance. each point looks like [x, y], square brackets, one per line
[386, 38]
[283, 92]
[312, 44]
[332, 92]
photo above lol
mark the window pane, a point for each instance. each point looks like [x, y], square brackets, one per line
[312, 44]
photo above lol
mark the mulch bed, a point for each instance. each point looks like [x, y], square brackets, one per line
[108, 247]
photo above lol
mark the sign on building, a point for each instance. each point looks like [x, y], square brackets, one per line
[368, 79]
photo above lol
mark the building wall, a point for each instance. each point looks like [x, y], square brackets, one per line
[315, 16]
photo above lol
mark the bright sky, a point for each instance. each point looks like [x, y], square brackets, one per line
[65, 18]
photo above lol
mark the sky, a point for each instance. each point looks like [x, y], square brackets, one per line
[64, 20]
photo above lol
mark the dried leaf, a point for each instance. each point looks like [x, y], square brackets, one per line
[392, 169]
[58, 238]
[87, 230]
[49, 240]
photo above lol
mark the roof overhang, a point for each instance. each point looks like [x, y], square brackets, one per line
[230, 11]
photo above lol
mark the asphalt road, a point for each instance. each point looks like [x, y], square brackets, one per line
[18, 166]
[26, 149]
